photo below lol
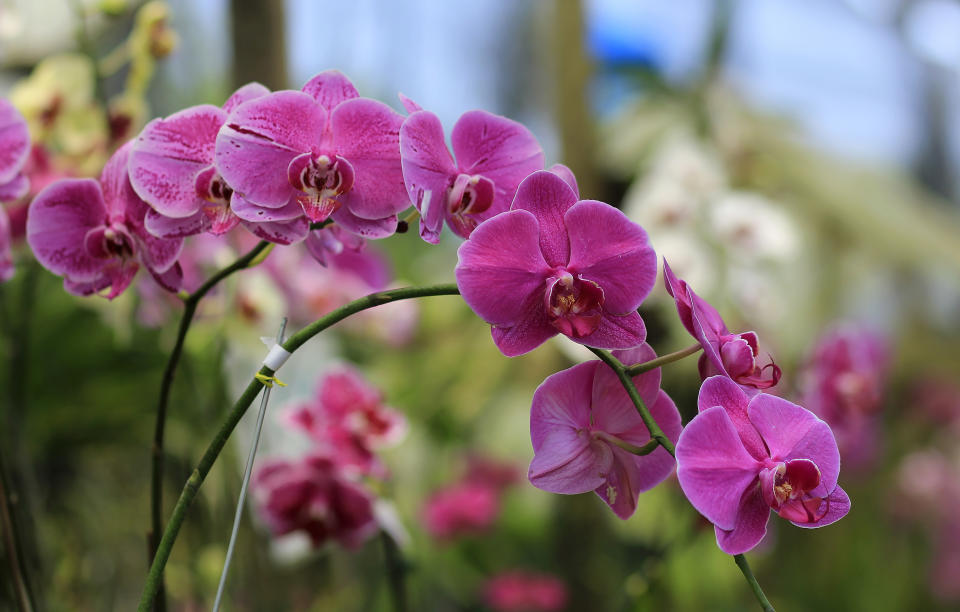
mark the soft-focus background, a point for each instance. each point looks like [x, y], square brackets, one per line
[796, 162]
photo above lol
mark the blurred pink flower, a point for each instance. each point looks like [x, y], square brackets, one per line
[843, 384]
[522, 591]
[14, 150]
[312, 290]
[348, 418]
[314, 496]
[471, 505]
[468, 508]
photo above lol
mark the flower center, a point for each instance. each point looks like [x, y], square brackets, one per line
[469, 196]
[109, 241]
[786, 489]
[574, 304]
[322, 180]
[211, 187]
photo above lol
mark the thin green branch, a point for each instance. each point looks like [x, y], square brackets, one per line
[656, 434]
[252, 257]
[663, 360]
[192, 487]
[14, 559]
[752, 581]
[396, 572]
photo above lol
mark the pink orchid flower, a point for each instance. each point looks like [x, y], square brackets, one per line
[322, 151]
[93, 234]
[732, 355]
[348, 417]
[172, 169]
[462, 509]
[743, 456]
[553, 264]
[493, 155]
[582, 425]
[313, 496]
[14, 151]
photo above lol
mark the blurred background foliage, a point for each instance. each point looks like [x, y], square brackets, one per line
[796, 162]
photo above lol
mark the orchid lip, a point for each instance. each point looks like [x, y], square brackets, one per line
[574, 304]
[211, 187]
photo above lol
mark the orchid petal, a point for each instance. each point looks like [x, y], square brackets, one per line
[750, 526]
[169, 153]
[259, 140]
[612, 251]
[548, 198]
[714, 468]
[367, 134]
[427, 169]
[498, 148]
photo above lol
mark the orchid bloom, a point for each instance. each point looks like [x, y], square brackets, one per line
[493, 155]
[93, 234]
[313, 496]
[322, 151]
[172, 169]
[348, 417]
[743, 456]
[732, 355]
[14, 151]
[584, 428]
[522, 591]
[464, 508]
[553, 264]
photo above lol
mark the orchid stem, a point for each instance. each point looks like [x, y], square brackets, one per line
[656, 435]
[156, 478]
[655, 432]
[653, 364]
[752, 581]
[396, 572]
[192, 486]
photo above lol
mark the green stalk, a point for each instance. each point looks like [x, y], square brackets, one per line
[190, 303]
[192, 487]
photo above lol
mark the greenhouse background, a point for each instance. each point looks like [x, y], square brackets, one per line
[798, 163]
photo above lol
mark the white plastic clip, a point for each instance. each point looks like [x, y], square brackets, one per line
[276, 357]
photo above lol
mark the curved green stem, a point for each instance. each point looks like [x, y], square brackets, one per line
[752, 581]
[657, 435]
[655, 432]
[192, 487]
[663, 360]
[252, 257]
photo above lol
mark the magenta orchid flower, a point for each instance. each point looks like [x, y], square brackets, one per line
[172, 169]
[313, 496]
[582, 425]
[93, 234]
[732, 355]
[553, 264]
[462, 509]
[322, 151]
[493, 155]
[743, 456]
[14, 151]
